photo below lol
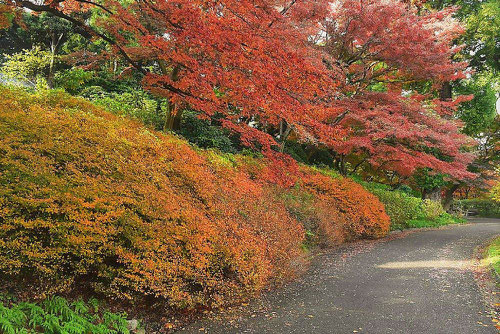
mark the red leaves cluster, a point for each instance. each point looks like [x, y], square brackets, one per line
[365, 33]
[307, 64]
[399, 134]
[244, 60]
[387, 43]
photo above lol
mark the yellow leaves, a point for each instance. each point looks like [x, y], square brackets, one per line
[169, 325]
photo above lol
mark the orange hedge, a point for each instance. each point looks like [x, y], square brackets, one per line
[94, 199]
[347, 210]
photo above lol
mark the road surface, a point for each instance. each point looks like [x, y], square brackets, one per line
[416, 282]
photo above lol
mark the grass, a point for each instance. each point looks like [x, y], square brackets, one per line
[445, 219]
[492, 256]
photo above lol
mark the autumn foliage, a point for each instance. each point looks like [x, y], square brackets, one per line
[389, 51]
[361, 78]
[360, 213]
[92, 199]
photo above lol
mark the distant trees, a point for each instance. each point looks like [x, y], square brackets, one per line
[480, 49]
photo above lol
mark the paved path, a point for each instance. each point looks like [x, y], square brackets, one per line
[416, 283]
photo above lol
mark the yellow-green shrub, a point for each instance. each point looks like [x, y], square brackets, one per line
[432, 209]
[482, 206]
[399, 206]
[406, 211]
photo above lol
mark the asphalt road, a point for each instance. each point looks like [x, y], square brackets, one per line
[416, 282]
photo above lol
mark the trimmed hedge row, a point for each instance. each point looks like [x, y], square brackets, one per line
[406, 211]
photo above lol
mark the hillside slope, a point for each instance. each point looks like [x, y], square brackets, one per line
[93, 201]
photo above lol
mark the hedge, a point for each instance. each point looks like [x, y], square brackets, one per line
[90, 199]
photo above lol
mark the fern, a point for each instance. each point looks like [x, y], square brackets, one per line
[6, 326]
[35, 313]
[56, 316]
[116, 321]
[74, 328]
[51, 325]
[95, 304]
[59, 306]
[80, 307]
[11, 317]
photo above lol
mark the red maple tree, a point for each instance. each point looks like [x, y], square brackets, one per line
[250, 61]
[395, 61]
[335, 73]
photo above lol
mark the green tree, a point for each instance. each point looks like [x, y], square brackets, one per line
[481, 49]
[27, 65]
[50, 32]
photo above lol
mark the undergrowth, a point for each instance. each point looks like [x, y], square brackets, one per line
[58, 316]
[408, 211]
[492, 257]
[444, 219]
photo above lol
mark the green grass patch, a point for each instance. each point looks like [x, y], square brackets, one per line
[492, 256]
[57, 315]
[442, 220]
[325, 170]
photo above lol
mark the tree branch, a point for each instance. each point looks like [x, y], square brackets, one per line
[283, 11]
[88, 32]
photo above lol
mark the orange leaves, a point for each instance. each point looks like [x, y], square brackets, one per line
[348, 211]
[89, 196]
[96, 200]
[6, 14]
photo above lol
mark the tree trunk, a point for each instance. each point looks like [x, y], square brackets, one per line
[343, 166]
[176, 124]
[355, 168]
[53, 49]
[50, 76]
[446, 93]
[173, 117]
[434, 194]
[168, 119]
[285, 130]
[340, 164]
[448, 197]
[310, 151]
